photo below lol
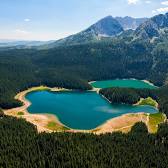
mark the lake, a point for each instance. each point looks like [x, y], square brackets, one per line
[123, 84]
[80, 110]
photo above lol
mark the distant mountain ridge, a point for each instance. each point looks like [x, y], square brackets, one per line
[107, 27]
[126, 28]
[130, 22]
[22, 44]
[155, 27]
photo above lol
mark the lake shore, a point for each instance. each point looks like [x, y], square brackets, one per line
[122, 123]
[50, 123]
[146, 81]
[39, 120]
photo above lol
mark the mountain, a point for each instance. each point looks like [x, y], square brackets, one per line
[22, 44]
[125, 28]
[156, 27]
[130, 22]
[106, 27]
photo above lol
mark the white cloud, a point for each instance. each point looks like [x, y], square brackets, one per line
[27, 20]
[132, 2]
[20, 31]
[164, 3]
[162, 9]
[148, 2]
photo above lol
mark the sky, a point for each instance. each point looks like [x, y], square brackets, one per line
[54, 19]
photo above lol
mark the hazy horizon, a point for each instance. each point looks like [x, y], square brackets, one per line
[45, 20]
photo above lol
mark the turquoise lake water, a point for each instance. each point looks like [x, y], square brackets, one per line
[80, 110]
[122, 83]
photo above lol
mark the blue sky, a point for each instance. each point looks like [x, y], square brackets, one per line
[54, 19]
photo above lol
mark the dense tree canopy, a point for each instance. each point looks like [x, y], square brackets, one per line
[21, 146]
[128, 95]
[132, 96]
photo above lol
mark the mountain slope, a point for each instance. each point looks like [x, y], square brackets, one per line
[130, 23]
[106, 27]
[155, 27]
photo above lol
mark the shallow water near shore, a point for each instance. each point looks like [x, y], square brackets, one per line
[80, 110]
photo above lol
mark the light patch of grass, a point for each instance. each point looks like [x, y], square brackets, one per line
[155, 120]
[56, 127]
[20, 113]
[148, 101]
[40, 88]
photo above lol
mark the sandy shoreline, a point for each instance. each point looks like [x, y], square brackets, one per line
[146, 81]
[41, 121]
[122, 123]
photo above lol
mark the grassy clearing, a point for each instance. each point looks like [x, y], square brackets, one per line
[148, 101]
[20, 113]
[56, 127]
[40, 88]
[155, 120]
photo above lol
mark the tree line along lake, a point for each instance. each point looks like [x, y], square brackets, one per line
[85, 110]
